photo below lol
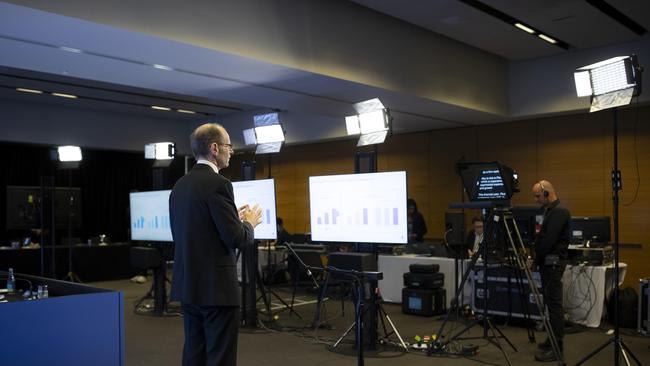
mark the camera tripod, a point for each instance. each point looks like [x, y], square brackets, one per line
[499, 218]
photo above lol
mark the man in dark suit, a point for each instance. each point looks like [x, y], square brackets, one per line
[207, 228]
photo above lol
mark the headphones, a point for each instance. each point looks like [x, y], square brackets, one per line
[544, 191]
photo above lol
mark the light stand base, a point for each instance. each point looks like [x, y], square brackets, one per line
[617, 343]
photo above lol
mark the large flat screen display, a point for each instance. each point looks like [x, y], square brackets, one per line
[362, 208]
[259, 192]
[150, 216]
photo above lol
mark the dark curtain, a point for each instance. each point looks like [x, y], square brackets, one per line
[105, 178]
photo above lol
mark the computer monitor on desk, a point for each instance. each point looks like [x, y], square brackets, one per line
[594, 230]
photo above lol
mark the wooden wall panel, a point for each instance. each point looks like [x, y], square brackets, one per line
[573, 151]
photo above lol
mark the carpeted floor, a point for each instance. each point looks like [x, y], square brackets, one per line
[289, 341]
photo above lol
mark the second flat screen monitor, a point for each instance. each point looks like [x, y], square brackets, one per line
[361, 208]
[261, 192]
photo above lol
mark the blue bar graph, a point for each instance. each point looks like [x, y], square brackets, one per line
[268, 216]
[320, 222]
[335, 215]
[327, 218]
[386, 216]
[365, 216]
[394, 215]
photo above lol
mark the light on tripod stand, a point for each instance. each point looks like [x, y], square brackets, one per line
[610, 83]
[372, 122]
[267, 134]
[162, 152]
[68, 156]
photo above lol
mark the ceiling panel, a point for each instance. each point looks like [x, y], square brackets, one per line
[639, 10]
[573, 21]
[466, 24]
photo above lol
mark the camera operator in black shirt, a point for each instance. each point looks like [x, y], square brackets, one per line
[551, 245]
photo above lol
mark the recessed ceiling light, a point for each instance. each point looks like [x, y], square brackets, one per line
[160, 108]
[33, 91]
[185, 111]
[547, 38]
[162, 67]
[70, 49]
[525, 28]
[70, 96]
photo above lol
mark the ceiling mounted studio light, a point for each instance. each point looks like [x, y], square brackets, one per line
[372, 122]
[162, 152]
[609, 83]
[267, 134]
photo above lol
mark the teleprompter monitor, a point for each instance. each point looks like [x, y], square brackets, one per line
[150, 216]
[488, 181]
[361, 208]
[259, 192]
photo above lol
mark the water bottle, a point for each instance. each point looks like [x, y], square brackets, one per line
[11, 281]
[39, 293]
[46, 294]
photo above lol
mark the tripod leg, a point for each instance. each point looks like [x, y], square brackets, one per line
[290, 308]
[347, 331]
[263, 294]
[401, 341]
[319, 303]
[497, 343]
[503, 336]
[624, 348]
[524, 305]
[459, 290]
[519, 250]
[594, 352]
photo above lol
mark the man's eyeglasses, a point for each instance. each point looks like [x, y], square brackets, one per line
[226, 145]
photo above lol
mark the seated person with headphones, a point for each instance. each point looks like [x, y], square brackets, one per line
[551, 245]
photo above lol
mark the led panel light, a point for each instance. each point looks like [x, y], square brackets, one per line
[69, 153]
[186, 111]
[373, 121]
[611, 83]
[267, 134]
[611, 77]
[160, 151]
[352, 125]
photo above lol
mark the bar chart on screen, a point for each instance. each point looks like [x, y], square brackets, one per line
[365, 208]
[259, 192]
[150, 216]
